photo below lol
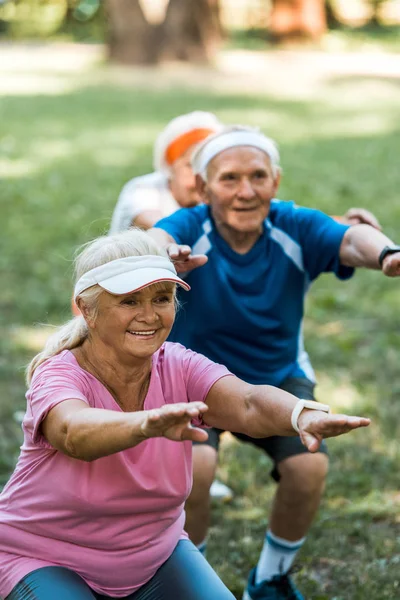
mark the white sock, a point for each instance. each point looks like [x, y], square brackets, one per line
[276, 557]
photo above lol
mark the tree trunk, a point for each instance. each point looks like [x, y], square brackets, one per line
[332, 18]
[297, 19]
[375, 18]
[131, 38]
[191, 30]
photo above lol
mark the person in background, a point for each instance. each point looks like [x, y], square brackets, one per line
[95, 506]
[245, 310]
[146, 199]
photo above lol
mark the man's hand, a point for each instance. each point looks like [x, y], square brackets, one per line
[391, 265]
[358, 216]
[172, 421]
[182, 258]
[315, 425]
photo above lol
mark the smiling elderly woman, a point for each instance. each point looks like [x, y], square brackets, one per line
[94, 508]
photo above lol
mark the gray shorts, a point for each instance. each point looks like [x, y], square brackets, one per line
[277, 447]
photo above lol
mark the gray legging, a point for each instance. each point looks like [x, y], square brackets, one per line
[186, 575]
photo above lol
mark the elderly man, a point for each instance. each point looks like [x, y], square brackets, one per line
[146, 199]
[245, 310]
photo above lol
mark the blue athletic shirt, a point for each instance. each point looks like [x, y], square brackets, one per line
[245, 311]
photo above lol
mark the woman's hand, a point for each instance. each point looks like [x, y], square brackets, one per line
[315, 425]
[172, 421]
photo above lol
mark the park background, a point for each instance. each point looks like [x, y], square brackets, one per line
[84, 89]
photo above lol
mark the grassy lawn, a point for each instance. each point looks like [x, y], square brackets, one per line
[71, 135]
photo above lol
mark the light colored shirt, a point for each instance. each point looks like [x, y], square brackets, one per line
[114, 520]
[148, 192]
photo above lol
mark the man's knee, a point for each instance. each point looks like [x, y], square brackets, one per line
[204, 467]
[304, 473]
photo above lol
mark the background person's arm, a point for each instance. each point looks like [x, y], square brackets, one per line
[358, 216]
[262, 410]
[147, 219]
[138, 204]
[361, 247]
[88, 433]
[161, 236]
[180, 254]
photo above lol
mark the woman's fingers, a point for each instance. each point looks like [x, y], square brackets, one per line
[184, 408]
[338, 424]
[311, 442]
[324, 425]
[194, 434]
[159, 420]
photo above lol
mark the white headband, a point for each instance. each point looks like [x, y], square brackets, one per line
[231, 139]
[130, 274]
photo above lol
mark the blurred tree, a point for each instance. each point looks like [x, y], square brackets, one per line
[297, 19]
[130, 35]
[190, 32]
[376, 10]
[332, 15]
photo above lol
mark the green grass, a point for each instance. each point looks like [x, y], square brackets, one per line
[66, 148]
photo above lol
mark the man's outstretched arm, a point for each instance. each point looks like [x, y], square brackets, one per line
[362, 246]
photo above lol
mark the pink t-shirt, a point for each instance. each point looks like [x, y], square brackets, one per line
[115, 520]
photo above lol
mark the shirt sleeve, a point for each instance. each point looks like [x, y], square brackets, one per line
[183, 226]
[200, 375]
[50, 385]
[320, 238]
[133, 200]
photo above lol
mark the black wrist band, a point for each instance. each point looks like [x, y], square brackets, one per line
[382, 255]
[387, 250]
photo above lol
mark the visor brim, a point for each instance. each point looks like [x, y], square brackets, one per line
[133, 281]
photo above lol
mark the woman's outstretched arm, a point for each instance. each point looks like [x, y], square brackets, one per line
[262, 410]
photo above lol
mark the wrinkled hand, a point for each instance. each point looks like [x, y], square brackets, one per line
[172, 421]
[184, 261]
[361, 216]
[315, 425]
[391, 265]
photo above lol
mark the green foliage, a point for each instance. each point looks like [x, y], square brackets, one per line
[65, 19]
[67, 147]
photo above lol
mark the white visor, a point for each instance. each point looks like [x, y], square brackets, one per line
[130, 274]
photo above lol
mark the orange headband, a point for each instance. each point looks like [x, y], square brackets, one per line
[183, 142]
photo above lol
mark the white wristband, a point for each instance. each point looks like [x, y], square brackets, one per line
[306, 404]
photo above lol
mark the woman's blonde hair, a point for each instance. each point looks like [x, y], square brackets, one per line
[133, 242]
